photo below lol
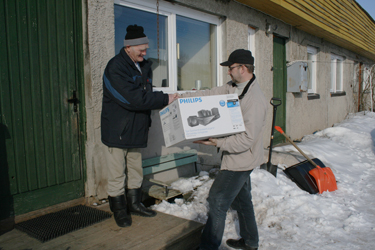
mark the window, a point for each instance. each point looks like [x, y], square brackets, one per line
[251, 43]
[195, 51]
[157, 53]
[183, 43]
[312, 53]
[336, 73]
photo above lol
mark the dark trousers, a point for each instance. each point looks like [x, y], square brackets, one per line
[230, 188]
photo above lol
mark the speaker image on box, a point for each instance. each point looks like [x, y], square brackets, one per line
[204, 117]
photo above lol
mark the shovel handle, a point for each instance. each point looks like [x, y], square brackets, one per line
[275, 102]
[279, 129]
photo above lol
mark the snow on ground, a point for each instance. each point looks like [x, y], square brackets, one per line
[290, 218]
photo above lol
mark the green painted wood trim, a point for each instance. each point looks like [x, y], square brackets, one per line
[80, 21]
[41, 198]
[51, 47]
[162, 163]
[169, 157]
[279, 84]
[169, 165]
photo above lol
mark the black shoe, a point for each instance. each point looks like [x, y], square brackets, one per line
[239, 244]
[135, 205]
[118, 207]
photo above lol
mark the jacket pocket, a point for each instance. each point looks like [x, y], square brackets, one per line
[125, 126]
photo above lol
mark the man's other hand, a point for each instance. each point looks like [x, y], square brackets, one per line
[210, 142]
[173, 97]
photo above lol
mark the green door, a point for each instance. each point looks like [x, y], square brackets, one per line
[40, 74]
[279, 84]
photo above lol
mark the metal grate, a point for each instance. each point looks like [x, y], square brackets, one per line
[53, 225]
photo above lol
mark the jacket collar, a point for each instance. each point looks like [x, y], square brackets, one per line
[144, 64]
[233, 85]
[247, 87]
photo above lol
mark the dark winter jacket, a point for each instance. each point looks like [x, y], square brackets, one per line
[127, 102]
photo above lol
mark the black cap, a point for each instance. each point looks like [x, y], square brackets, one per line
[241, 56]
[135, 35]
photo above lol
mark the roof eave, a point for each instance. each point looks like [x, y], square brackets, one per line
[349, 27]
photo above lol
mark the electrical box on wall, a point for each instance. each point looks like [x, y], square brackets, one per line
[297, 76]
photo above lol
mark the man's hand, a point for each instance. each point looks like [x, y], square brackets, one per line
[210, 142]
[173, 97]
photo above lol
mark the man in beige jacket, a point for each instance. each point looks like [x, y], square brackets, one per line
[242, 153]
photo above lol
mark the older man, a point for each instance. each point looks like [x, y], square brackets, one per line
[128, 99]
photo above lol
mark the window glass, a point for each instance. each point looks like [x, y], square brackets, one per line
[196, 54]
[311, 68]
[183, 42]
[339, 75]
[251, 45]
[157, 52]
[310, 71]
[333, 75]
[336, 73]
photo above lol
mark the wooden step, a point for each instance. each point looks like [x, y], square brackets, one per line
[162, 232]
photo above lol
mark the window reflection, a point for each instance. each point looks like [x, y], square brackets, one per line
[125, 16]
[196, 54]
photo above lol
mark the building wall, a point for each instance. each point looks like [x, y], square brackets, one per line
[303, 116]
[307, 116]
[99, 49]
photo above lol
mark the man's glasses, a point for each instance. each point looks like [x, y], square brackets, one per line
[230, 68]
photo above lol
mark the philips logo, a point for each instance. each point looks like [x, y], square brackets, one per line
[190, 100]
[163, 112]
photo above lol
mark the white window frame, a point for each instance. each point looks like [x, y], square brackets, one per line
[337, 63]
[251, 44]
[313, 71]
[170, 11]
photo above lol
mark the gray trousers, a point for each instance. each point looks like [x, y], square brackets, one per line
[124, 166]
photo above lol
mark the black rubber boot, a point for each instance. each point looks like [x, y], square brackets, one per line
[118, 207]
[135, 205]
[240, 244]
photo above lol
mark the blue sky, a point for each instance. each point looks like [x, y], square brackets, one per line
[369, 6]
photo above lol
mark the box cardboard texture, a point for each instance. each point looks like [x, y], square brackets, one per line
[201, 117]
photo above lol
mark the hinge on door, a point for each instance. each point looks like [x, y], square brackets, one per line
[74, 100]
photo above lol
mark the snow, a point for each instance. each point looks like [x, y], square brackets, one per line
[290, 218]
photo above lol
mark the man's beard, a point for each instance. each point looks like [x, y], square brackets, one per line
[233, 79]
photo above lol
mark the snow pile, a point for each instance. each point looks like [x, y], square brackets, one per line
[290, 218]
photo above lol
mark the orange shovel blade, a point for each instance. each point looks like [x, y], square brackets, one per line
[325, 179]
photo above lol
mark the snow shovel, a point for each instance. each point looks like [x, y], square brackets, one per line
[324, 177]
[269, 166]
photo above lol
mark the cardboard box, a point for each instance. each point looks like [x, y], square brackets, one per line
[196, 118]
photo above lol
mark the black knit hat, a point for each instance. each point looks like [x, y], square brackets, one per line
[135, 36]
[239, 56]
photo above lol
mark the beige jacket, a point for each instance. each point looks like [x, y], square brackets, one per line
[242, 151]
